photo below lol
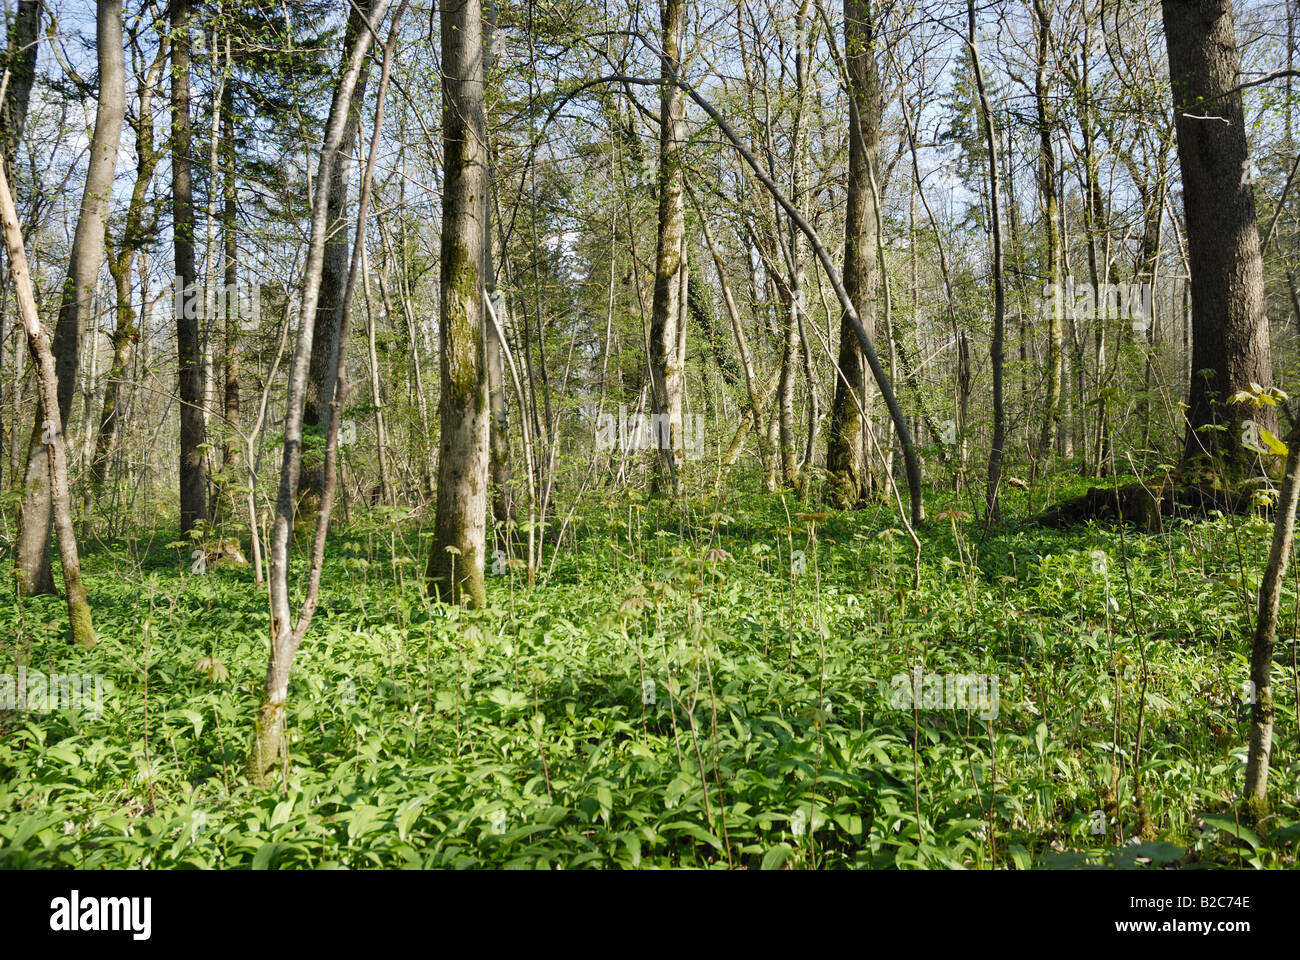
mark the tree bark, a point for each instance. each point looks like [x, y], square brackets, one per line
[455, 568]
[33, 548]
[325, 345]
[1052, 254]
[999, 287]
[1261, 654]
[847, 465]
[1230, 335]
[499, 453]
[665, 369]
[286, 636]
[189, 354]
[20, 60]
[230, 237]
[135, 234]
[79, 620]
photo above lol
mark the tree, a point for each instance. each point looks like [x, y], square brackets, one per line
[499, 452]
[1230, 336]
[189, 357]
[286, 635]
[138, 227]
[847, 463]
[20, 64]
[1263, 707]
[85, 259]
[325, 345]
[999, 289]
[1051, 227]
[666, 375]
[455, 567]
[80, 624]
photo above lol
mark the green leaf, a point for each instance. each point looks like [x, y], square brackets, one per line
[362, 821]
[775, 858]
[1233, 829]
[696, 831]
[265, 853]
[1274, 446]
[633, 844]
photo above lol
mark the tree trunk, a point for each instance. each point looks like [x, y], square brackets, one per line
[1261, 654]
[286, 637]
[847, 466]
[189, 356]
[1047, 191]
[20, 61]
[33, 548]
[234, 321]
[499, 453]
[325, 345]
[666, 312]
[126, 333]
[999, 291]
[79, 621]
[1230, 335]
[455, 569]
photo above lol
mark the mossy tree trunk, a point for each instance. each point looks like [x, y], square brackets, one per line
[455, 567]
[666, 373]
[20, 61]
[847, 457]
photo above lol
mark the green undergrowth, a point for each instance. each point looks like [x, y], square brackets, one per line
[699, 685]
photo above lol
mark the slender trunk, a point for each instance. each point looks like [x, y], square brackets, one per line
[376, 393]
[499, 452]
[33, 548]
[325, 345]
[1047, 191]
[189, 356]
[1261, 654]
[455, 568]
[286, 636]
[234, 320]
[999, 292]
[847, 465]
[79, 620]
[20, 61]
[665, 369]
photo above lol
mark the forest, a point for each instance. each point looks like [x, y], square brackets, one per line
[555, 434]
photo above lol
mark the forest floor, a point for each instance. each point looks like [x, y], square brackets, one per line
[685, 688]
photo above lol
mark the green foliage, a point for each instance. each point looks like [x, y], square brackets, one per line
[683, 691]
